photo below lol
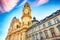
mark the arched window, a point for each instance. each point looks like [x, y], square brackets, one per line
[52, 32]
[46, 33]
[38, 27]
[58, 27]
[56, 20]
[44, 26]
[49, 23]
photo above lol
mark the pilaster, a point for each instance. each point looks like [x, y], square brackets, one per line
[56, 31]
[24, 35]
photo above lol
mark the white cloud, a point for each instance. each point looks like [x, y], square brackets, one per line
[40, 2]
[8, 5]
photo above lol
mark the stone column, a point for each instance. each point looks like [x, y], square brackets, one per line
[24, 35]
[15, 37]
[43, 35]
[19, 36]
[12, 37]
[38, 36]
[56, 31]
[49, 34]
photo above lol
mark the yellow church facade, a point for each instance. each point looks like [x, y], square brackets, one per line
[28, 29]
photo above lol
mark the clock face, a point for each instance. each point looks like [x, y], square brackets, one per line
[26, 11]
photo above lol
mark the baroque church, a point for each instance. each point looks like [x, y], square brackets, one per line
[28, 29]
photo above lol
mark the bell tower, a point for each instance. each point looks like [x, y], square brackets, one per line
[26, 17]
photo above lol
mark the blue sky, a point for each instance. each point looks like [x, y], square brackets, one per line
[40, 12]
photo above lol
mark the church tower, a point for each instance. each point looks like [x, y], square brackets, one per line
[26, 17]
[18, 30]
